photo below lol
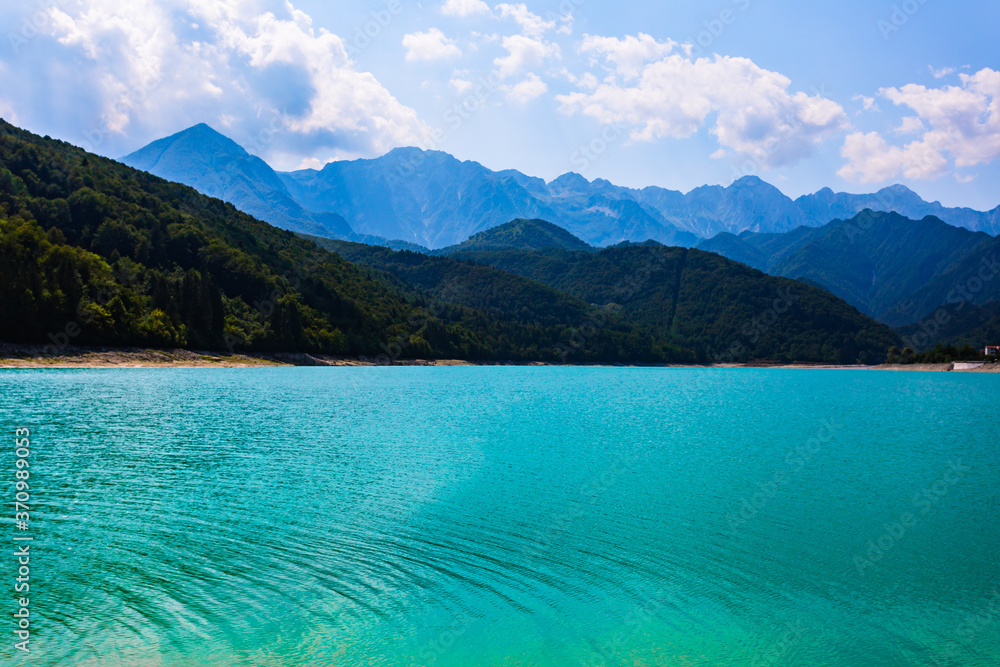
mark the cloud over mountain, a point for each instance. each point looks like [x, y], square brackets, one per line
[259, 69]
[659, 92]
[718, 92]
[958, 124]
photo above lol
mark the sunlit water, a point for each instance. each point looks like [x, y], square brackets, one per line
[508, 516]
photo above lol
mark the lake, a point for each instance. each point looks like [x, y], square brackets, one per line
[508, 516]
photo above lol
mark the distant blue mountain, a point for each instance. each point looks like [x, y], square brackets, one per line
[432, 200]
[216, 166]
[826, 205]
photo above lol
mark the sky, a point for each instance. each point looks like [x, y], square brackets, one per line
[854, 95]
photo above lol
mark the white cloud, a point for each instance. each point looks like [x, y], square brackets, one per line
[867, 102]
[257, 67]
[527, 90]
[872, 160]
[755, 114]
[465, 8]
[910, 125]
[628, 55]
[461, 86]
[7, 111]
[962, 122]
[313, 163]
[430, 45]
[527, 50]
[491, 38]
[943, 72]
[531, 24]
[524, 52]
[589, 82]
[566, 27]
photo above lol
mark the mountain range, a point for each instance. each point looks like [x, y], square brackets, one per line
[890, 254]
[892, 268]
[218, 167]
[98, 253]
[414, 198]
[682, 298]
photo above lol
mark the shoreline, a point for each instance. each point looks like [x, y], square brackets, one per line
[16, 356]
[940, 368]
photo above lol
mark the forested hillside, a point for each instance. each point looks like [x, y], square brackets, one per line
[519, 234]
[684, 299]
[718, 307]
[890, 267]
[98, 253]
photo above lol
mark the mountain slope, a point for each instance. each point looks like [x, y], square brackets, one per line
[961, 324]
[684, 299]
[722, 309]
[972, 279]
[519, 235]
[474, 285]
[875, 261]
[512, 297]
[218, 167]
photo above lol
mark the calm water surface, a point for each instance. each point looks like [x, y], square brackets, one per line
[508, 516]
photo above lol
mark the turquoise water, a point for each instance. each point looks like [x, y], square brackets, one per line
[508, 516]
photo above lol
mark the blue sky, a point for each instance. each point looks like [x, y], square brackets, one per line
[851, 95]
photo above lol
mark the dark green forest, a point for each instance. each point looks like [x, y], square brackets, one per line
[519, 235]
[684, 299]
[509, 296]
[724, 310]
